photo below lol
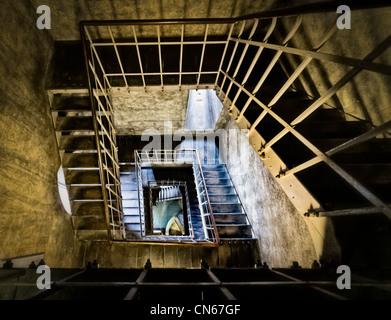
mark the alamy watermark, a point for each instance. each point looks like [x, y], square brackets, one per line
[344, 280]
[44, 281]
[343, 21]
[44, 20]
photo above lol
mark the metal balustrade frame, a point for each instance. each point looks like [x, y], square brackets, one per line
[180, 157]
[100, 85]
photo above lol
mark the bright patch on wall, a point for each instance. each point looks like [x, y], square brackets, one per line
[63, 191]
[203, 110]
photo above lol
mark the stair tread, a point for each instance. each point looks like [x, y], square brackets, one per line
[75, 177]
[74, 123]
[71, 103]
[338, 129]
[77, 142]
[80, 160]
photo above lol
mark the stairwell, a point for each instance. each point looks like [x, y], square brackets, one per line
[72, 120]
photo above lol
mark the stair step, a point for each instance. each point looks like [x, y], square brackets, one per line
[85, 193]
[217, 181]
[132, 219]
[76, 123]
[215, 174]
[82, 177]
[131, 211]
[370, 173]
[321, 114]
[213, 167]
[129, 203]
[129, 195]
[89, 222]
[129, 187]
[326, 114]
[132, 226]
[77, 142]
[212, 190]
[223, 198]
[80, 160]
[234, 231]
[372, 151]
[80, 208]
[323, 129]
[128, 178]
[71, 103]
[332, 191]
[228, 218]
[224, 208]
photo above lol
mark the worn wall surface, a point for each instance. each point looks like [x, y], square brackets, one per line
[282, 233]
[133, 255]
[137, 111]
[31, 217]
[67, 14]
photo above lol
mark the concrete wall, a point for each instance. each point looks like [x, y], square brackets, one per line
[282, 232]
[31, 217]
[137, 111]
[67, 14]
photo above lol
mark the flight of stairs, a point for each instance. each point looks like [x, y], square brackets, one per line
[130, 203]
[230, 218]
[72, 120]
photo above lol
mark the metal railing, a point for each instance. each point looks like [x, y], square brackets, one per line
[105, 134]
[238, 109]
[173, 158]
[236, 37]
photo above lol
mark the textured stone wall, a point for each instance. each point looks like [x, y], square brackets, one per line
[31, 217]
[136, 111]
[282, 233]
[67, 14]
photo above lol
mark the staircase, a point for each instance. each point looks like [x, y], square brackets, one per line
[72, 120]
[130, 203]
[230, 217]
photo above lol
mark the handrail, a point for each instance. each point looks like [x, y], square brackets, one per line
[113, 211]
[95, 126]
[207, 197]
